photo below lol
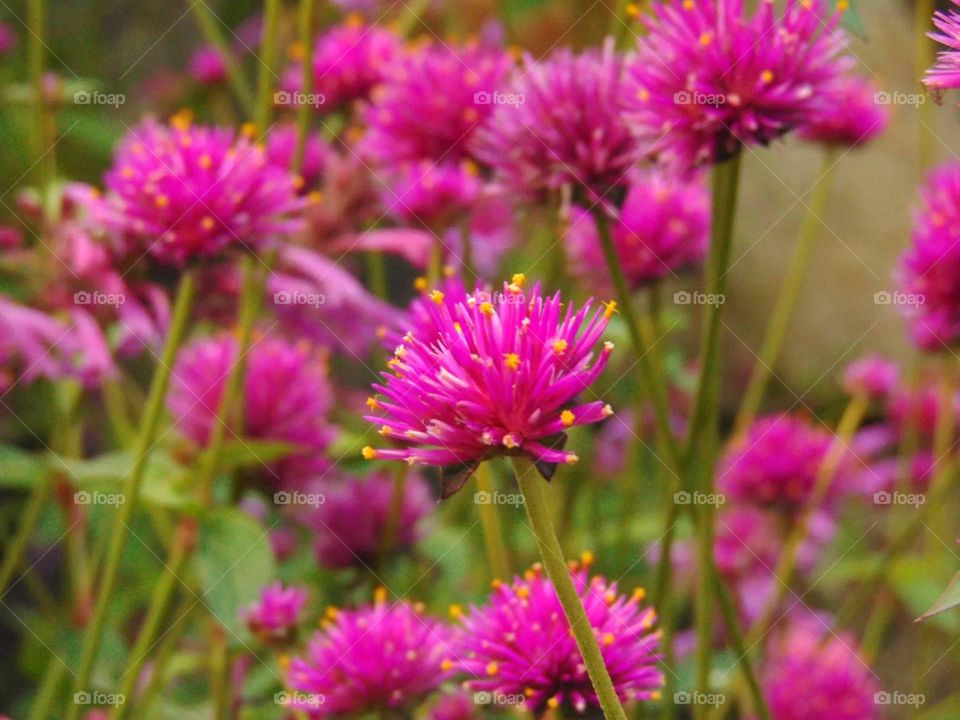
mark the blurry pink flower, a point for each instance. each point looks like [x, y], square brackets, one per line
[852, 119]
[207, 66]
[275, 615]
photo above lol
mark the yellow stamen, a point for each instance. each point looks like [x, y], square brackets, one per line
[205, 161]
[767, 76]
[486, 308]
[493, 669]
[512, 360]
[608, 638]
[586, 557]
[181, 120]
[609, 308]
[380, 595]
[208, 223]
[456, 611]
[385, 430]
[446, 665]
[248, 130]
[437, 297]
[560, 346]
[162, 201]
[523, 592]
[553, 703]
[369, 453]
[706, 39]
[296, 51]
[567, 418]
[518, 279]
[420, 284]
[373, 403]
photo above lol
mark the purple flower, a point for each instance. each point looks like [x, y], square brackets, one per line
[708, 80]
[946, 73]
[871, 376]
[431, 102]
[808, 677]
[275, 615]
[286, 398]
[32, 345]
[187, 192]
[282, 149]
[929, 268]
[520, 645]
[662, 228]
[852, 119]
[378, 658]
[432, 194]
[561, 123]
[500, 377]
[918, 409]
[349, 524]
[207, 66]
[349, 60]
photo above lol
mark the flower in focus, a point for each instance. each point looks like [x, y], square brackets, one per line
[186, 191]
[349, 525]
[384, 657]
[775, 463]
[207, 66]
[499, 377]
[561, 123]
[663, 228]
[275, 615]
[348, 61]
[871, 376]
[431, 102]
[945, 74]
[810, 678]
[707, 80]
[520, 644]
[854, 118]
[286, 399]
[929, 269]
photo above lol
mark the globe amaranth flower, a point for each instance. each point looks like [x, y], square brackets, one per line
[349, 60]
[519, 646]
[282, 148]
[384, 657]
[500, 377]
[706, 80]
[348, 526]
[432, 194]
[871, 376]
[928, 270]
[663, 227]
[286, 397]
[431, 102]
[776, 463]
[808, 677]
[186, 192]
[945, 74]
[207, 66]
[275, 615]
[561, 123]
[854, 118]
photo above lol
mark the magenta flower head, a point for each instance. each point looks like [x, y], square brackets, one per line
[663, 228]
[775, 463]
[348, 61]
[431, 102]
[810, 678]
[707, 80]
[348, 526]
[282, 149]
[275, 615]
[853, 119]
[188, 192]
[287, 396]
[929, 268]
[519, 647]
[500, 377]
[378, 658]
[945, 74]
[432, 194]
[207, 66]
[871, 376]
[561, 123]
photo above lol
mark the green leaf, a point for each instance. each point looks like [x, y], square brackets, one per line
[164, 481]
[233, 562]
[949, 599]
[19, 469]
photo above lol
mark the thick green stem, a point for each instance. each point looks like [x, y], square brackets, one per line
[377, 274]
[497, 557]
[788, 296]
[49, 686]
[43, 121]
[435, 268]
[305, 24]
[389, 537]
[212, 34]
[268, 60]
[538, 512]
[131, 489]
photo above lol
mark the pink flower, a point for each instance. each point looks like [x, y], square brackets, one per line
[946, 73]
[207, 66]
[275, 615]
[435, 195]
[871, 376]
[707, 80]
[852, 119]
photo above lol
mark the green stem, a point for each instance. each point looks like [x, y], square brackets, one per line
[131, 488]
[435, 268]
[220, 672]
[788, 296]
[268, 59]
[305, 23]
[162, 656]
[377, 274]
[212, 34]
[47, 692]
[466, 252]
[497, 557]
[389, 536]
[531, 485]
[29, 517]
